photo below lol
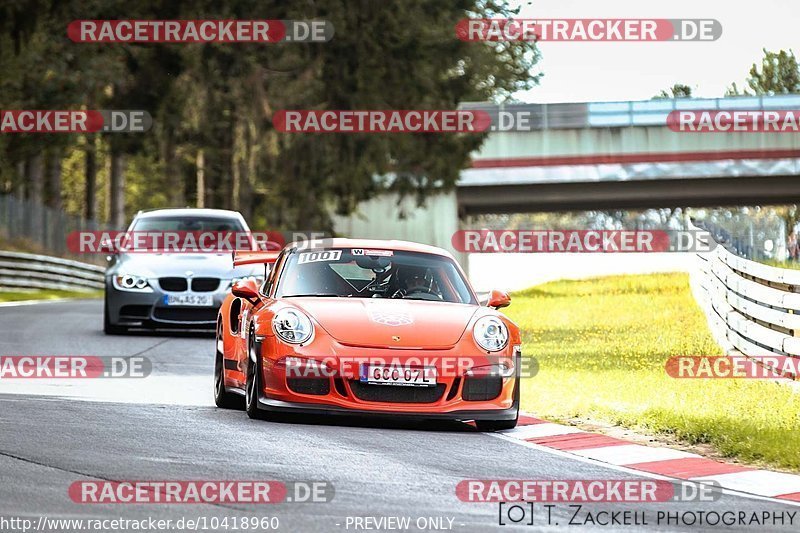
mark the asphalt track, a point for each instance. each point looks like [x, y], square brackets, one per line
[165, 427]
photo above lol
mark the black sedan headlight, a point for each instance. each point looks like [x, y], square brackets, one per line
[131, 283]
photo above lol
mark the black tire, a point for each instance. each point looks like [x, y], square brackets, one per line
[108, 327]
[223, 398]
[496, 425]
[499, 425]
[253, 382]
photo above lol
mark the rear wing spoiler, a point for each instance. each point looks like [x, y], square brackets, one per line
[254, 258]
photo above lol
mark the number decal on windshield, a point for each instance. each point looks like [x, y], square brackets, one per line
[315, 257]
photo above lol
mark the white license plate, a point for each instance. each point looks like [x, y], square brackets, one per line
[189, 300]
[399, 375]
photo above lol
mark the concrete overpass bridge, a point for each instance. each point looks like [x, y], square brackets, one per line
[603, 155]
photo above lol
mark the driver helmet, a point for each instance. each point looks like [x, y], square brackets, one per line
[415, 280]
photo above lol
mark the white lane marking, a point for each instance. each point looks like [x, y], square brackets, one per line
[628, 454]
[35, 302]
[631, 471]
[774, 483]
[152, 390]
[535, 431]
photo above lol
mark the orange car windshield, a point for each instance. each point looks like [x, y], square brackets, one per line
[359, 273]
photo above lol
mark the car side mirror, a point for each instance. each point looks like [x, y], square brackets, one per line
[246, 289]
[498, 299]
[108, 246]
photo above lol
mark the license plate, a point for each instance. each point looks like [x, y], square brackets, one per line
[399, 375]
[189, 300]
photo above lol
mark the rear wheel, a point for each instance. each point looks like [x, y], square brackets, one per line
[108, 327]
[223, 398]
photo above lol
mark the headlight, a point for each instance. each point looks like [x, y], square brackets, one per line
[131, 282]
[292, 326]
[490, 333]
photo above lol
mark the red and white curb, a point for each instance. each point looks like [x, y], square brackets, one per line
[661, 462]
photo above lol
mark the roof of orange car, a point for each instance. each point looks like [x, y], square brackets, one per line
[372, 244]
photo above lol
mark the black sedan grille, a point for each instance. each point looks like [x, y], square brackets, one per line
[135, 311]
[173, 284]
[205, 284]
[185, 314]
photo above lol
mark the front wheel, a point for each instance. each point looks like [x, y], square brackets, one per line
[496, 425]
[223, 398]
[499, 425]
[253, 383]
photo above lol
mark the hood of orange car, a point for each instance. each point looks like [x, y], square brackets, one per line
[389, 323]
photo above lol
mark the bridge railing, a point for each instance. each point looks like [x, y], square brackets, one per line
[752, 308]
[22, 271]
[630, 113]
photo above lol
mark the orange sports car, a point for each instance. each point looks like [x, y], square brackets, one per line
[359, 327]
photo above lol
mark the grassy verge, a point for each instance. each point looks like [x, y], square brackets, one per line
[46, 295]
[602, 344]
[793, 265]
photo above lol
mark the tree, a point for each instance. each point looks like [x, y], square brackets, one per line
[212, 104]
[678, 90]
[779, 73]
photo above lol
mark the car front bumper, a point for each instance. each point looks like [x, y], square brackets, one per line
[351, 397]
[148, 310]
[279, 406]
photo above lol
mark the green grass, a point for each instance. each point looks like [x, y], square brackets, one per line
[43, 294]
[601, 346]
[792, 265]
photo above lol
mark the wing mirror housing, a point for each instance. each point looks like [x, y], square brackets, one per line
[246, 289]
[498, 299]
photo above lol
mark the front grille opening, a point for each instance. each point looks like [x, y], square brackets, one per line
[340, 388]
[454, 389]
[173, 284]
[317, 386]
[205, 284]
[396, 393]
[480, 389]
[185, 314]
[135, 311]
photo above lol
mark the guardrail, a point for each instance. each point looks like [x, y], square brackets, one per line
[752, 308]
[20, 271]
[46, 228]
